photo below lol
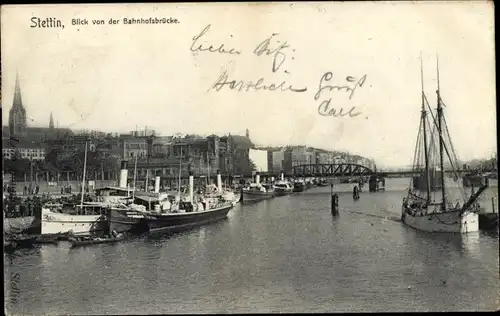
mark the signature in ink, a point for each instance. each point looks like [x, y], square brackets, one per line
[278, 56]
[195, 46]
[324, 109]
[352, 84]
[240, 85]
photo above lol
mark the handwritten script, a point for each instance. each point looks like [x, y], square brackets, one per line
[279, 51]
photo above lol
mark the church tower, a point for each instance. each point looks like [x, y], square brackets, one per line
[51, 121]
[17, 114]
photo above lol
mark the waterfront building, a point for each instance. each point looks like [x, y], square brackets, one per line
[278, 160]
[162, 156]
[22, 150]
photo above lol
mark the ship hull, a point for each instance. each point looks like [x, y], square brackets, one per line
[254, 196]
[56, 223]
[126, 221]
[282, 191]
[473, 181]
[175, 222]
[298, 187]
[446, 222]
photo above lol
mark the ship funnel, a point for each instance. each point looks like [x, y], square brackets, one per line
[191, 185]
[219, 181]
[257, 178]
[282, 176]
[157, 185]
[123, 174]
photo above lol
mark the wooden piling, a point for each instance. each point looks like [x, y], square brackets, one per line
[335, 204]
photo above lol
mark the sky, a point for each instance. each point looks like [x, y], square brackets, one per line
[114, 77]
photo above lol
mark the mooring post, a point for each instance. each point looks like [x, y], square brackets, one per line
[355, 193]
[334, 202]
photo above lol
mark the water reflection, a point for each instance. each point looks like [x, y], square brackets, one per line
[283, 255]
[470, 244]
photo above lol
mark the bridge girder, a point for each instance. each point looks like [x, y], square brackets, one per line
[327, 170]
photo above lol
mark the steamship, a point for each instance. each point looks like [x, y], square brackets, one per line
[257, 191]
[184, 213]
[282, 187]
[164, 212]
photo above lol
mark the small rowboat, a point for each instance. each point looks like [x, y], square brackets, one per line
[78, 242]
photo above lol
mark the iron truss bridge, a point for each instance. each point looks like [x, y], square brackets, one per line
[354, 170]
[331, 170]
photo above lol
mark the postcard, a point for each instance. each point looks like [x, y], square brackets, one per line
[249, 157]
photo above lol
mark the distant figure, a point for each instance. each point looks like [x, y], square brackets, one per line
[37, 189]
[62, 190]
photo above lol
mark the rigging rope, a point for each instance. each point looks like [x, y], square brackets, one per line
[444, 145]
[416, 149]
[454, 155]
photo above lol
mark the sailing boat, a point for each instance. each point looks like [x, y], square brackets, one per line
[419, 210]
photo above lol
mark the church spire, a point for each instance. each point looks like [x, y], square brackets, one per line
[51, 122]
[17, 114]
[18, 102]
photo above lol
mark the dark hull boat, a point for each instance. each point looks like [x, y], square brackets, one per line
[488, 221]
[79, 242]
[282, 191]
[174, 222]
[298, 187]
[126, 221]
[254, 195]
[473, 180]
[282, 188]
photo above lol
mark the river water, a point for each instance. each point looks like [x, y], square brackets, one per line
[287, 254]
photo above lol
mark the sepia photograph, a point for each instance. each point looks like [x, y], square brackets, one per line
[250, 157]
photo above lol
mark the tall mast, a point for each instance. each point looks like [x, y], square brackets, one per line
[84, 171]
[441, 141]
[426, 154]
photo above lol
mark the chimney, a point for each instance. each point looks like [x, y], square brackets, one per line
[157, 185]
[191, 185]
[219, 181]
[123, 174]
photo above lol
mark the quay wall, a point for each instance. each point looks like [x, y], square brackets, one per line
[55, 188]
